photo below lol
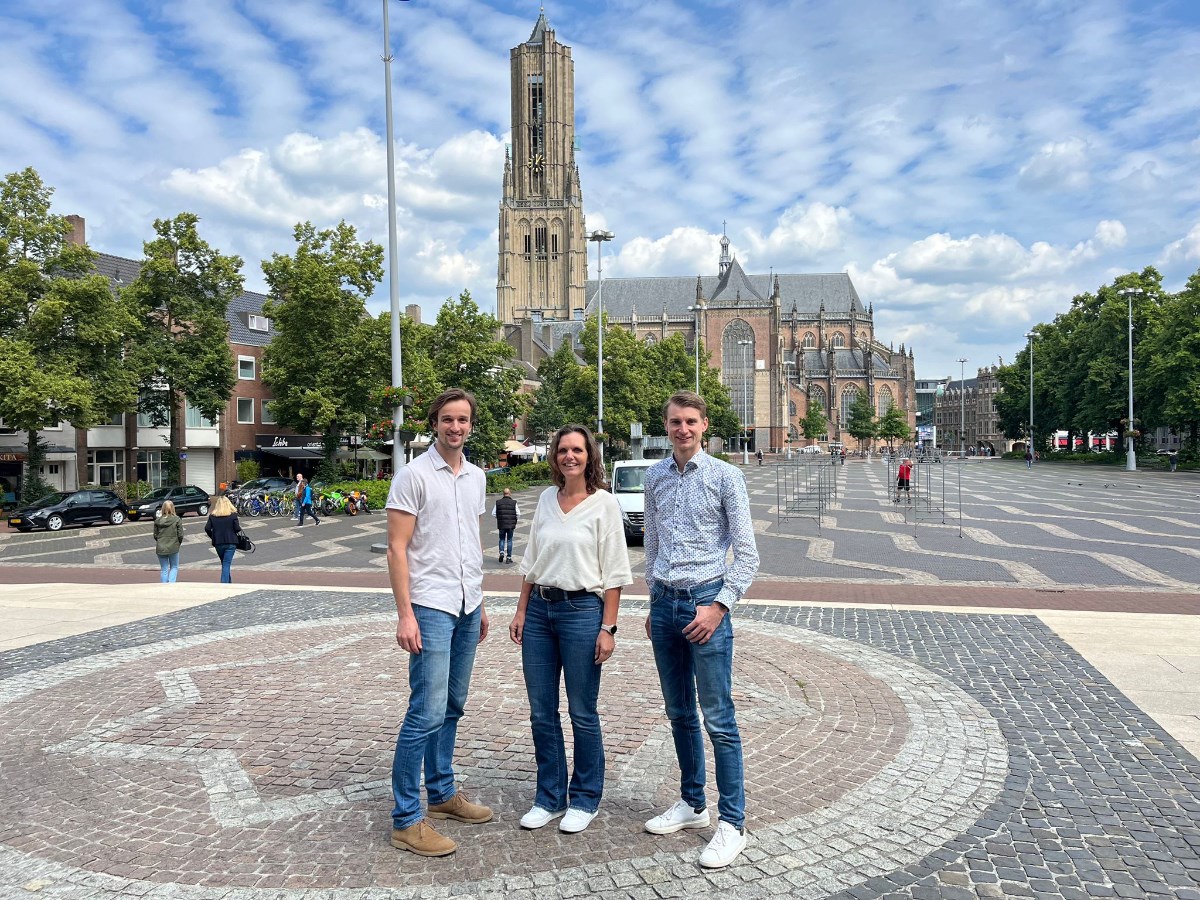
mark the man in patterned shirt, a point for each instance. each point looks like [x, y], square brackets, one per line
[697, 509]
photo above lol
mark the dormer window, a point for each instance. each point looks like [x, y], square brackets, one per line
[259, 323]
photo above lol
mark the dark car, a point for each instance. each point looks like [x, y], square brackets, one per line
[52, 512]
[187, 499]
[270, 484]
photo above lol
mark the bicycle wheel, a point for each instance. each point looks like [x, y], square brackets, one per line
[274, 507]
[256, 507]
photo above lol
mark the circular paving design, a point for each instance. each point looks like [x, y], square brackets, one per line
[255, 763]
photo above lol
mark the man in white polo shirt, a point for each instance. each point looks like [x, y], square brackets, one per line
[435, 563]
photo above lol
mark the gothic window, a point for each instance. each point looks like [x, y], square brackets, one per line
[554, 245]
[838, 341]
[528, 244]
[885, 400]
[849, 395]
[817, 395]
[539, 240]
[737, 368]
[649, 340]
[810, 340]
[536, 115]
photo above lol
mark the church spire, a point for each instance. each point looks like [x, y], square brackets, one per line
[725, 260]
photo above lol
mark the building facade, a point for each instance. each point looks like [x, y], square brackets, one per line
[966, 418]
[781, 342]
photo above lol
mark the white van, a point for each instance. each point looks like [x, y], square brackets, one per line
[629, 487]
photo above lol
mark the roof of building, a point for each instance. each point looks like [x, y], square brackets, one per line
[674, 294]
[121, 271]
[539, 30]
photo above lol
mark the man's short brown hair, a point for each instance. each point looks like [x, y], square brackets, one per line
[450, 395]
[688, 399]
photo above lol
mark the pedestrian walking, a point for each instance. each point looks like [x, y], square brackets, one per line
[697, 510]
[299, 496]
[842, 455]
[903, 477]
[759, 455]
[435, 565]
[507, 514]
[222, 529]
[1029, 459]
[574, 567]
[168, 538]
[306, 504]
[1173, 459]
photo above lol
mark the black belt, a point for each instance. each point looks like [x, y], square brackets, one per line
[687, 593]
[556, 595]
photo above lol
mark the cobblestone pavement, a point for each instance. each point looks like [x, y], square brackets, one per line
[240, 751]
[990, 524]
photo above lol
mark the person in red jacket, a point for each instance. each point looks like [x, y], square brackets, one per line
[902, 480]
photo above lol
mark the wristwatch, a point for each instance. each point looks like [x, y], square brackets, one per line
[611, 629]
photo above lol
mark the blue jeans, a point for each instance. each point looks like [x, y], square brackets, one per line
[168, 568]
[506, 535]
[307, 508]
[225, 555]
[438, 678]
[560, 640]
[689, 672]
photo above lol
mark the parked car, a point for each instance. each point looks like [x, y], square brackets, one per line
[267, 485]
[187, 499]
[629, 487]
[54, 511]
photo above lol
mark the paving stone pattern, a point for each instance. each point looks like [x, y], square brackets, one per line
[241, 751]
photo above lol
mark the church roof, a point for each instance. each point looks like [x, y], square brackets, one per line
[539, 30]
[650, 296]
[846, 361]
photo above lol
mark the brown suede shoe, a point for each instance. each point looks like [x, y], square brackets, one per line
[460, 808]
[421, 838]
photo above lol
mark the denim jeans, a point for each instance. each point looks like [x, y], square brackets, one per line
[506, 536]
[560, 639]
[168, 568]
[308, 509]
[689, 672]
[225, 555]
[438, 678]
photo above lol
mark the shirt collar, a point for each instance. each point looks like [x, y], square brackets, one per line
[694, 463]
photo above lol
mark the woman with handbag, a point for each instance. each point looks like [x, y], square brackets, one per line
[575, 565]
[168, 538]
[223, 527]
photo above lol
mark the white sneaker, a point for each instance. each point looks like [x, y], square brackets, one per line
[676, 818]
[537, 817]
[575, 821]
[724, 847]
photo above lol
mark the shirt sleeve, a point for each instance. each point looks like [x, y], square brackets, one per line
[405, 493]
[615, 570]
[529, 559]
[650, 526]
[736, 502]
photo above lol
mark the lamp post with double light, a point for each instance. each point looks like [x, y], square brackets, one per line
[393, 276]
[1130, 455]
[600, 238]
[1030, 336]
[962, 406]
[785, 410]
[696, 311]
[746, 372]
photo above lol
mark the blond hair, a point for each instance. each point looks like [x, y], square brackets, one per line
[222, 507]
[168, 508]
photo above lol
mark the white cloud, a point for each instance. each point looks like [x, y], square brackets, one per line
[1186, 249]
[1058, 166]
[685, 251]
[801, 234]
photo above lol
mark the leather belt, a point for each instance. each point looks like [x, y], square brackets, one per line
[557, 595]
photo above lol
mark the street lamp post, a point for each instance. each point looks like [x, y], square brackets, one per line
[600, 237]
[393, 277]
[745, 400]
[1030, 336]
[1130, 455]
[962, 406]
[785, 410]
[696, 310]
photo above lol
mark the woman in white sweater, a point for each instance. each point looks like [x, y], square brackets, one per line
[575, 565]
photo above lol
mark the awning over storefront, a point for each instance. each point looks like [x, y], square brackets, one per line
[291, 452]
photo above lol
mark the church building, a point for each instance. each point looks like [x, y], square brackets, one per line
[780, 342]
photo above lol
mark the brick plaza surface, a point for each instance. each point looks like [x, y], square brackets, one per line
[241, 750]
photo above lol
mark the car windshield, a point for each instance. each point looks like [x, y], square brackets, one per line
[50, 500]
[158, 494]
[631, 480]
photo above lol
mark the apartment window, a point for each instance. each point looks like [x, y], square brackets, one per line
[106, 467]
[246, 368]
[260, 323]
[150, 468]
[152, 417]
[245, 410]
[268, 417]
[196, 419]
[115, 419]
[50, 469]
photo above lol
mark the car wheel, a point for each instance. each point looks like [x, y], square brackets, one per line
[203, 510]
[116, 517]
[55, 523]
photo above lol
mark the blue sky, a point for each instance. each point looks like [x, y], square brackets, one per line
[971, 164]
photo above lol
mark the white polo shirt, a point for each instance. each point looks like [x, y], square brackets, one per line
[445, 556]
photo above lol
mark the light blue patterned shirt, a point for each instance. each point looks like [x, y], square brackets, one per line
[693, 519]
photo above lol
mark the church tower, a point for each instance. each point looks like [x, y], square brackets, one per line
[542, 268]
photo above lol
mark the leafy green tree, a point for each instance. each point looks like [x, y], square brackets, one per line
[464, 352]
[61, 327]
[552, 400]
[328, 359]
[861, 423]
[671, 367]
[814, 424]
[181, 351]
[627, 390]
[1170, 357]
[893, 426]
